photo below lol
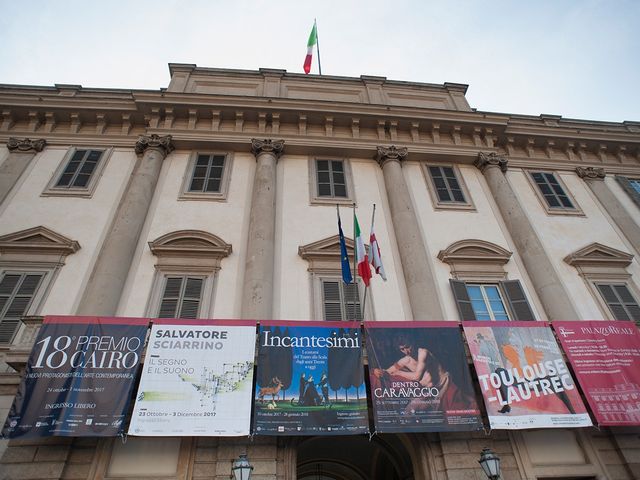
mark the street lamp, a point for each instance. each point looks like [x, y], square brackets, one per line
[241, 469]
[490, 464]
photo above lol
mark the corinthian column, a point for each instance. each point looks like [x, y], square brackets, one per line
[257, 291]
[103, 291]
[594, 178]
[546, 282]
[21, 152]
[417, 269]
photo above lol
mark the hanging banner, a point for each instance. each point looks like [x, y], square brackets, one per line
[523, 377]
[606, 360]
[196, 379]
[79, 378]
[310, 379]
[419, 376]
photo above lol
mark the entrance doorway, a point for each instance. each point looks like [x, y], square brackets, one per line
[353, 458]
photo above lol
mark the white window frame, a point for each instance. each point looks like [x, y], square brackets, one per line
[315, 198]
[87, 191]
[222, 195]
[487, 304]
[438, 204]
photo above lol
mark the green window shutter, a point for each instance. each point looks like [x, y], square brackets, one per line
[517, 300]
[463, 302]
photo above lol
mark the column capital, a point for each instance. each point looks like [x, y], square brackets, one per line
[384, 154]
[162, 143]
[25, 145]
[486, 160]
[267, 145]
[590, 173]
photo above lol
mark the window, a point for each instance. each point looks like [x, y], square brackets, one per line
[331, 181]
[501, 301]
[553, 193]
[17, 291]
[620, 301]
[207, 176]
[187, 264]
[181, 297]
[79, 169]
[447, 189]
[77, 174]
[631, 186]
[340, 301]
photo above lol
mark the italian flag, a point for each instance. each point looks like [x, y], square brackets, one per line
[361, 254]
[313, 39]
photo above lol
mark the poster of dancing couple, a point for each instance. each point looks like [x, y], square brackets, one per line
[523, 377]
[420, 380]
[310, 379]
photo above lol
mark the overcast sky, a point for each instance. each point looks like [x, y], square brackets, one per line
[578, 59]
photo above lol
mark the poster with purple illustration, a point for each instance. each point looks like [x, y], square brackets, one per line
[310, 379]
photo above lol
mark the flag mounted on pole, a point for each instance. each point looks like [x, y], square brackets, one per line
[313, 41]
[344, 258]
[361, 253]
[376, 259]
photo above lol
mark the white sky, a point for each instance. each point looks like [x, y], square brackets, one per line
[575, 58]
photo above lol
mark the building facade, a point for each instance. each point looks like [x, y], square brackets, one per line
[216, 198]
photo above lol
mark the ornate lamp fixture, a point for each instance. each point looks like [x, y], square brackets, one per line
[490, 464]
[241, 469]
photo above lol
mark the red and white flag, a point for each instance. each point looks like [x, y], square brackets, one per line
[376, 259]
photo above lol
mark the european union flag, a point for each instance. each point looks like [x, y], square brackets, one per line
[344, 258]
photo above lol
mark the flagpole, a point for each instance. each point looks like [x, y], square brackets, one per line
[364, 301]
[317, 47]
[355, 267]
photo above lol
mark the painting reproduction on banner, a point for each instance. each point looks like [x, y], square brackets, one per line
[196, 379]
[419, 376]
[524, 380]
[79, 378]
[310, 379]
[605, 357]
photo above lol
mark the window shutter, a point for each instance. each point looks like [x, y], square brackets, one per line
[461, 296]
[191, 298]
[331, 300]
[352, 302]
[620, 302]
[517, 300]
[632, 192]
[170, 297]
[16, 293]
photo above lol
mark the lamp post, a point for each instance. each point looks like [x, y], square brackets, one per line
[241, 469]
[490, 464]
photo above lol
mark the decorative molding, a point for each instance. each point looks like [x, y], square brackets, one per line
[598, 255]
[162, 143]
[36, 243]
[472, 258]
[275, 147]
[591, 173]
[192, 249]
[324, 255]
[392, 152]
[486, 160]
[25, 145]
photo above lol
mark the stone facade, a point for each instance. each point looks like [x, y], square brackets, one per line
[264, 243]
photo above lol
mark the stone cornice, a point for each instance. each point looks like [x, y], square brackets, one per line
[591, 173]
[25, 145]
